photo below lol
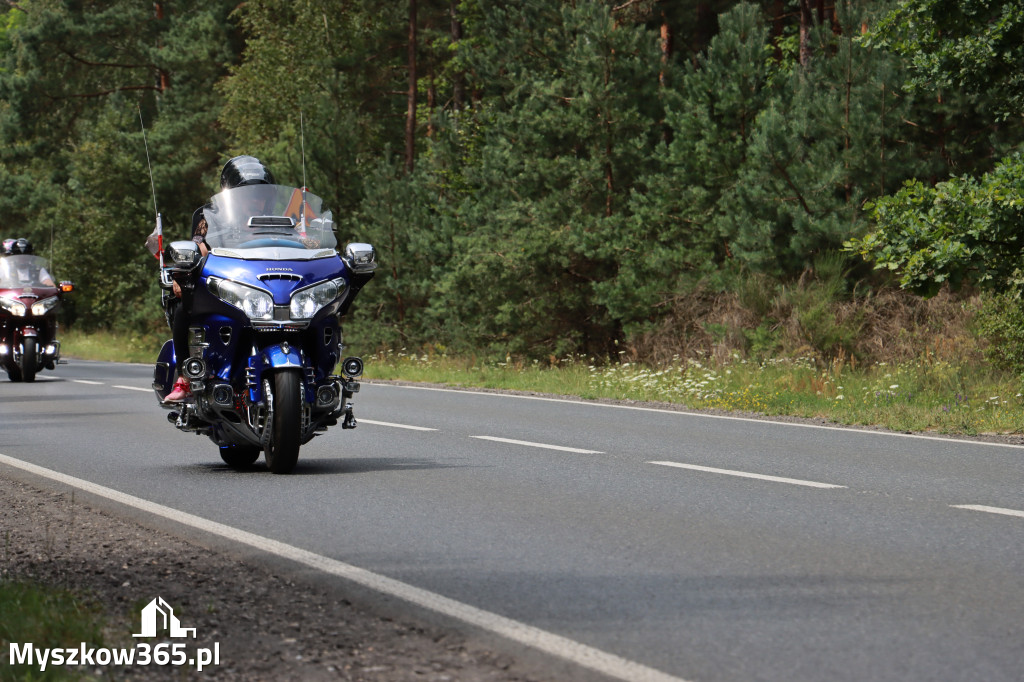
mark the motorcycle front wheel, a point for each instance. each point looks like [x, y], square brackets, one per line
[282, 452]
[28, 359]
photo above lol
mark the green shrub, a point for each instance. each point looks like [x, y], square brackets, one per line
[1000, 321]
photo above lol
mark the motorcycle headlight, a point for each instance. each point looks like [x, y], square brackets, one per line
[255, 303]
[16, 308]
[44, 306]
[307, 302]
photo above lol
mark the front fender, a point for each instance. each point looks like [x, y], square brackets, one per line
[271, 359]
[276, 357]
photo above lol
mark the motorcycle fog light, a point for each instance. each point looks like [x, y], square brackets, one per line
[352, 367]
[326, 395]
[223, 395]
[51, 349]
[194, 368]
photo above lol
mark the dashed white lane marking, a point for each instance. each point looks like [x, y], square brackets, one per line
[134, 388]
[990, 510]
[745, 474]
[397, 426]
[539, 445]
[527, 635]
[84, 381]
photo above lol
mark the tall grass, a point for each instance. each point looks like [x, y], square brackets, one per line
[47, 617]
[111, 346]
[927, 394]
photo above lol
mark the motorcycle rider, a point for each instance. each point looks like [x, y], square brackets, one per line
[237, 172]
[24, 273]
[14, 247]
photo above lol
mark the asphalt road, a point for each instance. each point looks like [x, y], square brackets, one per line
[710, 549]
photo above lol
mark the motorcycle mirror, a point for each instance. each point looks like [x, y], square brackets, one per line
[67, 286]
[361, 257]
[182, 256]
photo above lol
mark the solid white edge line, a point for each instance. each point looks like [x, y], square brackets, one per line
[397, 426]
[85, 381]
[701, 415]
[744, 474]
[133, 388]
[539, 445]
[990, 510]
[556, 645]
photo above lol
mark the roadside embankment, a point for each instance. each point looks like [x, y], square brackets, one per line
[266, 625]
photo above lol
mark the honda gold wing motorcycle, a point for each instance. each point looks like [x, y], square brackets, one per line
[264, 336]
[29, 300]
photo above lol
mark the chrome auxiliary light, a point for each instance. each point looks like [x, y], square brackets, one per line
[326, 395]
[352, 367]
[223, 395]
[194, 368]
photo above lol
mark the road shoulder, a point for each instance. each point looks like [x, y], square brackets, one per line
[268, 625]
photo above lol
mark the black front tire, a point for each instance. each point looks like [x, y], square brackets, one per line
[239, 456]
[28, 359]
[282, 452]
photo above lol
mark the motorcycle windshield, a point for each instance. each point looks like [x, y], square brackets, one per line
[19, 272]
[256, 216]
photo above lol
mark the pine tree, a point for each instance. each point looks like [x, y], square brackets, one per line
[74, 80]
[710, 119]
[567, 114]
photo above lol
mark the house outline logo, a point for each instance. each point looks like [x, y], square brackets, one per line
[158, 611]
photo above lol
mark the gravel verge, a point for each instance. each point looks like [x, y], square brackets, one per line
[269, 625]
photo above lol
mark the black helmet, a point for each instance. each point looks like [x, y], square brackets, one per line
[245, 170]
[13, 247]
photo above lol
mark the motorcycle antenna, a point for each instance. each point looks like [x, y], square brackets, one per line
[159, 230]
[302, 146]
[302, 142]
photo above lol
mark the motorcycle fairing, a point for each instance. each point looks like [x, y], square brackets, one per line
[278, 272]
[165, 371]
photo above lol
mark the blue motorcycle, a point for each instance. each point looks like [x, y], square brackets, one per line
[264, 337]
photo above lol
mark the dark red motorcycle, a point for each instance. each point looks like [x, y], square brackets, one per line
[29, 298]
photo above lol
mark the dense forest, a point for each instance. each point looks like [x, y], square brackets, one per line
[540, 177]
